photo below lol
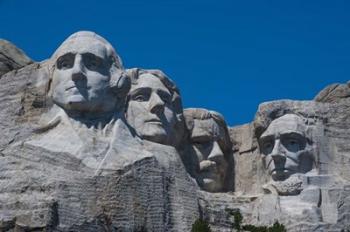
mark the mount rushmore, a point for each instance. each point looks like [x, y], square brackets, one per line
[88, 145]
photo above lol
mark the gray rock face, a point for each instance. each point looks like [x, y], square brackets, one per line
[11, 58]
[334, 93]
[310, 199]
[90, 146]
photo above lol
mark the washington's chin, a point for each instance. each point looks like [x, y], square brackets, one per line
[81, 104]
[70, 103]
[154, 131]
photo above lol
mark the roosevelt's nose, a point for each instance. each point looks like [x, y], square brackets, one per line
[156, 104]
[216, 153]
[78, 71]
[277, 153]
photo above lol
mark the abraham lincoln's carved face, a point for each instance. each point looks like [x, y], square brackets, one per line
[286, 148]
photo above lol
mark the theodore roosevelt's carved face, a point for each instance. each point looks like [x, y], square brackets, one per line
[286, 147]
[205, 138]
[209, 140]
[150, 110]
[81, 77]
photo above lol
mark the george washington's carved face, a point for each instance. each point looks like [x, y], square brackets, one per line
[286, 148]
[81, 77]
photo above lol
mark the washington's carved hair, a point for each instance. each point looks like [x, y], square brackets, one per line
[111, 52]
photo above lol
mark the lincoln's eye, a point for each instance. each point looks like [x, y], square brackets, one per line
[292, 144]
[267, 147]
[141, 96]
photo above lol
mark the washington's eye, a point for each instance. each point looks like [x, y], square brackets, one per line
[92, 62]
[65, 62]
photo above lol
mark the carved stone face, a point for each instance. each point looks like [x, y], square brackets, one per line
[150, 111]
[205, 138]
[81, 78]
[286, 147]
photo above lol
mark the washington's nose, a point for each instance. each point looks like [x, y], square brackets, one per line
[156, 104]
[78, 72]
[277, 153]
[216, 153]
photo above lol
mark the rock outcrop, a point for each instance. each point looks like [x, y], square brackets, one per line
[11, 57]
[334, 93]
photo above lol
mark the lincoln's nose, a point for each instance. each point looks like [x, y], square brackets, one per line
[277, 153]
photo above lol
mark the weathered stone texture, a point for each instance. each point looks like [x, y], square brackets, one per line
[11, 57]
[76, 158]
[333, 93]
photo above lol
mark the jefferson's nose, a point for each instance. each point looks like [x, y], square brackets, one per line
[156, 104]
[216, 153]
[78, 72]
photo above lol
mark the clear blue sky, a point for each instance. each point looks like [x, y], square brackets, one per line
[224, 55]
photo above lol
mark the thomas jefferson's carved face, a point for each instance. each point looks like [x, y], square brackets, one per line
[286, 148]
[205, 138]
[150, 110]
[81, 78]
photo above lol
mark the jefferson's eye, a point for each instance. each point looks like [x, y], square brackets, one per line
[140, 98]
[166, 98]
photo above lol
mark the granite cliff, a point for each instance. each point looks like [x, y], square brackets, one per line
[88, 145]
